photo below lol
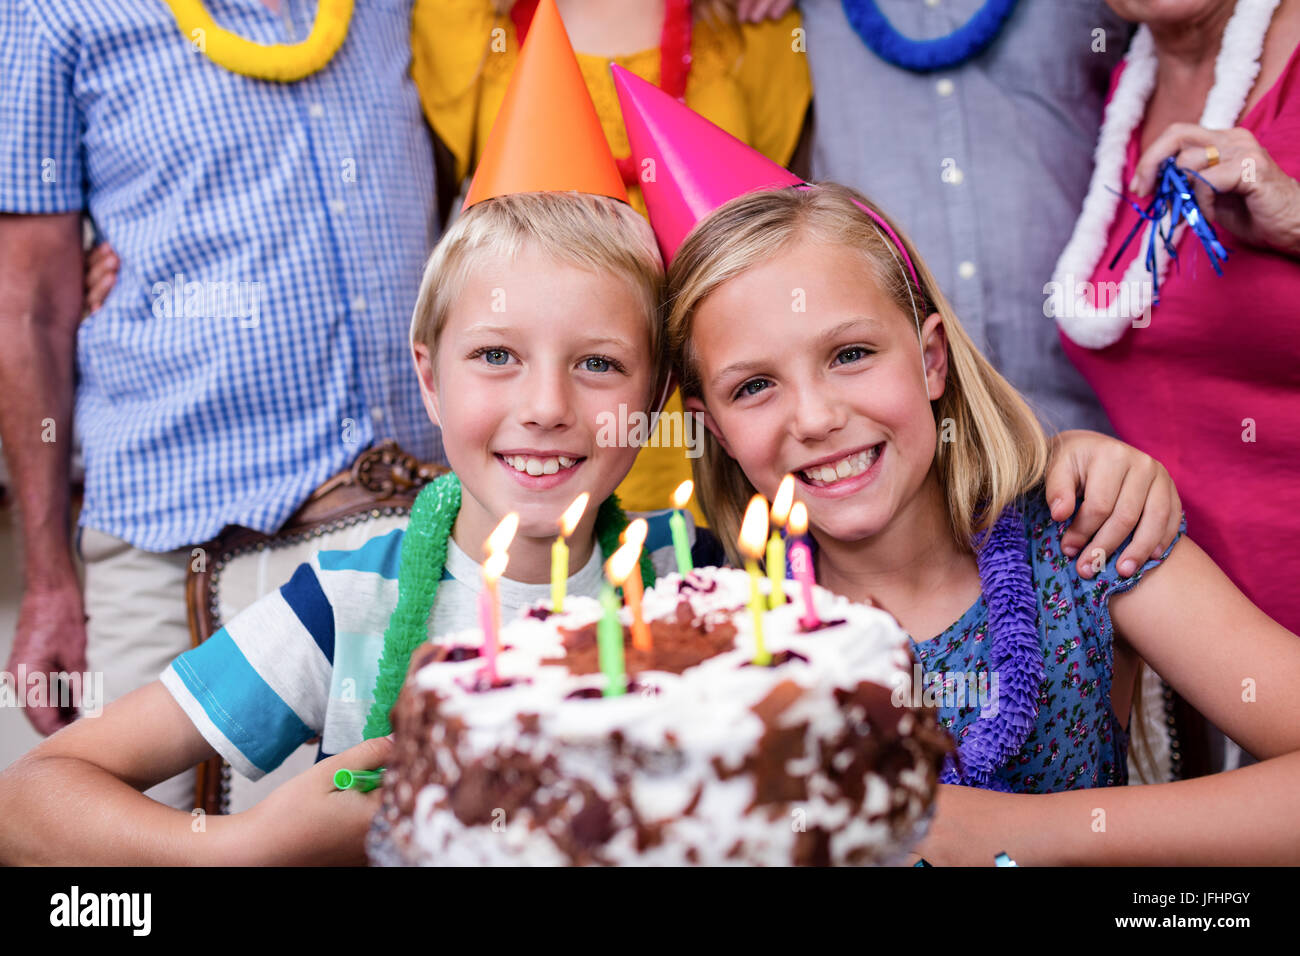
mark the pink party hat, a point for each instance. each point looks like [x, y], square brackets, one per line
[696, 166]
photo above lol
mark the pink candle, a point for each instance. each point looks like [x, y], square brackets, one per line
[487, 621]
[801, 562]
[489, 613]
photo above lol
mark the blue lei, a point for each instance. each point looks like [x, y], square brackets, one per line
[926, 55]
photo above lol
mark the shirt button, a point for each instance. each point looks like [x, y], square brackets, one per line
[337, 207]
[966, 270]
[359, 304]
[316, 111]
[944, 87]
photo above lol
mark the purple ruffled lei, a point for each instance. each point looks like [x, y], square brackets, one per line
[1014, 655]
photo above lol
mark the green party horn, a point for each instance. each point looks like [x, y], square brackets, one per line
[363, 780]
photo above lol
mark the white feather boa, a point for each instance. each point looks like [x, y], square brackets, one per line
[1235, 72]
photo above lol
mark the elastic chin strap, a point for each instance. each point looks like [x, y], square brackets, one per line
[916, 316]
[897, 250]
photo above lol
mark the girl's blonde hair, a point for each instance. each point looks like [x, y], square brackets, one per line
[596, 233]
[991, 448]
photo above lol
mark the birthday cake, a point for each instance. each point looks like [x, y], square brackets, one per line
[706, 758]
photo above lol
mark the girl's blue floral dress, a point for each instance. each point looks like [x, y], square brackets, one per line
[1077, 740]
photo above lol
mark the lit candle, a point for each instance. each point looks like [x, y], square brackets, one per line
[801, 563]
[609, 632]
[497, 543]
[560, 550]
[677, 524]
[753, 531]
[489, 610]
[634, 537]
[776, 544]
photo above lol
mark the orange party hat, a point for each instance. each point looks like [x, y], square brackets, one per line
[547, 135]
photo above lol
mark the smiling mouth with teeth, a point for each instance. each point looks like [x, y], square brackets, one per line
[847, 467]
[538, 466]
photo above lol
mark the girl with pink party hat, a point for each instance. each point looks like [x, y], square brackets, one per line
[814, 341]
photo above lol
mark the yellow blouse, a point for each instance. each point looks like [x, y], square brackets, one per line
[750, 79]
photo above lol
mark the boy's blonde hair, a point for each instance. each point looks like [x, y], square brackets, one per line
[596, 233]
[1000, 451]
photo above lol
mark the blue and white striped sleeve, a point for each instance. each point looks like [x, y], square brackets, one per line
[40, 123]
[258, 688]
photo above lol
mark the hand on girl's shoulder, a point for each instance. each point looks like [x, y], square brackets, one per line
[1050, 560]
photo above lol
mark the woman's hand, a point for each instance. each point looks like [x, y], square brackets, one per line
[755, 11]
[1124, 491]
[1256, 200]
[102, 266]
[306, 822]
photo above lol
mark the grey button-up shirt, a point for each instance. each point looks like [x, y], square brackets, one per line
[985, 165]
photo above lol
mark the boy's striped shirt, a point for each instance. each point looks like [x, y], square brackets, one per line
[302, 660]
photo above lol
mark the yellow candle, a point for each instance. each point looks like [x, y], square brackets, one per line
[776, 544]
[752, 532]
[559, 573]
[560, 550]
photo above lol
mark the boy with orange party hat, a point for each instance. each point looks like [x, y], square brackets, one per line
[537, 320]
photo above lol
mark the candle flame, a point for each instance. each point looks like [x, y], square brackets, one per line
[503, 534]
[799, 519]
[495, 566]
[781, 503]
[636, 531]
[683, 494]
[622, 563]
[573, 514]
[753, 530]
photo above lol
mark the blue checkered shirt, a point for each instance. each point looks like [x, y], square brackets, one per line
[271, 238]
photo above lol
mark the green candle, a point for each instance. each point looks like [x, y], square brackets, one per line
[677, 524]
[609, 639]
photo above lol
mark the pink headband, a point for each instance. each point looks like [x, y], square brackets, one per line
[879, 221]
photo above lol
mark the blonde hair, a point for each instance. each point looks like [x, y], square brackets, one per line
[595, 233]
[1000, 452]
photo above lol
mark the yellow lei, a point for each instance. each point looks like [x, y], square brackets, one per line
[281, 62]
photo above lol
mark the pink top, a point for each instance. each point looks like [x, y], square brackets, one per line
[1220, 362]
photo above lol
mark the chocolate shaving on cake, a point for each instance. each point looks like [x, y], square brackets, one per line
[678, 644]
[812, 848]
[776, 748]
